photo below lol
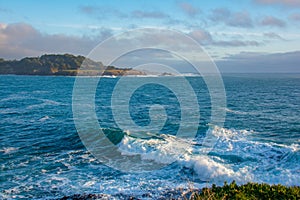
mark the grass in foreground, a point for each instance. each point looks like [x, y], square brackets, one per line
[248, 191]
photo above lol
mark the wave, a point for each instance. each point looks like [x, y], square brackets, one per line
[235, 156]
[235, 111]
[8, 150]
[44, 118]
[159, 148]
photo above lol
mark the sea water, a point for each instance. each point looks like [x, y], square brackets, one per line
[42, 155]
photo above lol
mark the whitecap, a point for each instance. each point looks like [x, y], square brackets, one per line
[44, 118]
[8, 150]
[89, 183]
[235, 111]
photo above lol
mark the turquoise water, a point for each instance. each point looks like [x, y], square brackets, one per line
[42, 156]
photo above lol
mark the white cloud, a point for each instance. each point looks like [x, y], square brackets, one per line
[234, 19]
[288, 3]
[20, 40]
[271, 35]
[189, 9]
[101, 13]
[272, 21]
[295, 17]
[148, 14]
[205, 38]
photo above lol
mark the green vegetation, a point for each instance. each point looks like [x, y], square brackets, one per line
[248, 191]
[66, 64]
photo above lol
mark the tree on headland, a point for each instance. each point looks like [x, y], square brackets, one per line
[66, 64]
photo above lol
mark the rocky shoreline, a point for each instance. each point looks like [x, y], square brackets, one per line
[227, 191]
[62, 65]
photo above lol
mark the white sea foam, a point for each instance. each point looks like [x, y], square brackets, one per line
[8, 150]
[89, 183]
[164, 149]
[107, 76]
[235, 111]
[13, 97]
[235, 156]
[260, 162]
[229, 133]
[44, 118]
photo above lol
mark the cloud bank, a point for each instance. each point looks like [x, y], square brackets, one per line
[288, 3]
[20, 39]
[229, 18]
[272, 21]
[189, 9]
[249, 62]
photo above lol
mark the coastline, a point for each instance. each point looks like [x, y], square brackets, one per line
[62, 65]
[227, 191]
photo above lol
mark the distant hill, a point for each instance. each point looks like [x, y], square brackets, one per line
[64, 65]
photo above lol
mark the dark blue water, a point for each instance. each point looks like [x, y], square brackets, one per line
[42, 156]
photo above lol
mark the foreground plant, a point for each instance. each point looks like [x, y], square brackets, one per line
[248, 191]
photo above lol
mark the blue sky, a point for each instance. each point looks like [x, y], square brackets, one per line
[231, 31]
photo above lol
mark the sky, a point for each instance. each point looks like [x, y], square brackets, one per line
[240, 36]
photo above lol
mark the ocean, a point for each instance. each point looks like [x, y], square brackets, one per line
[42, 155]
